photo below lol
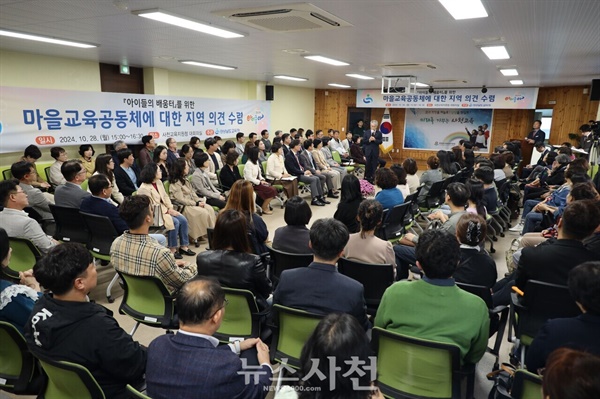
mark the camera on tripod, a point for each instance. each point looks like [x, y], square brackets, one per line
[595, 126]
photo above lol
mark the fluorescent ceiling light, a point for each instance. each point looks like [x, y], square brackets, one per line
[516, 82]
[295, 79]
[338, 85]
[325, 60]
[464, 9]
[357, 76]
[418, 84]
[45, 39]
[207, 65]
[495, 52]
[161, 16]
[509, 72]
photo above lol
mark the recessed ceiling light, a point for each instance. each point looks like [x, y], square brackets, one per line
[325, 60]
[45, 39]
[357, 76]
[465, 9]
[509, 72]
[167, 18]
[339, 85]
[516, 82]
[419, 84]
[495, 52]
[295, 79]
[207, 65]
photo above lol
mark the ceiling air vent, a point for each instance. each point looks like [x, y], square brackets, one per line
[449, 82]
[410, 66]
[294, 17]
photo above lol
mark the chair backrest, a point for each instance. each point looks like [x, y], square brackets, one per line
[415, 367]
[17, 364]
[102, 233]
[167, 186]
[135, 394]
[393, 224]
[7, 174]
[209, 235]
[479, 290]
[70, 226]
[526, 385]
[433, 198]
[47, 174]
[281, 261]
[24, 254]
[544, 301]
[35, 215]
[146, 299]
[84, 184]
[241, 169]
[240, 316]
[375, 278]
[68, 380]
[336, 157]
[294, 326]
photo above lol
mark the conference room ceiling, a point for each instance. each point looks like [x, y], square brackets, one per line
[551, 42]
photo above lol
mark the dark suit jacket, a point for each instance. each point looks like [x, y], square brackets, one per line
[581, 333]
[551, 262]
[321, 289]
[292, 239]
[475, 267]
[371, 148]
[292, 165]
[538, 136]
[125, 184]
[98, 206]
[228, 176]
[184, 366]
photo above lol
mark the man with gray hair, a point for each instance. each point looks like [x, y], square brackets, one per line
[117, 145]
[372, 138]
[191, 363]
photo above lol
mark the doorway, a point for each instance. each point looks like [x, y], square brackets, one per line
[357, 114]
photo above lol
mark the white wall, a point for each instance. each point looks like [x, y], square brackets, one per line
[292, 107]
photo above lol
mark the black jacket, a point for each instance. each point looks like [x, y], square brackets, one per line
[125, 184]
[228, 176]
[476, 267]
[237, 270]
[86, 333]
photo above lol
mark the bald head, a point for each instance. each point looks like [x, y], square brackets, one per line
[198, 300]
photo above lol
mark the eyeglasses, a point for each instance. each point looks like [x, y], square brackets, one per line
[82, 171]
[225, 303]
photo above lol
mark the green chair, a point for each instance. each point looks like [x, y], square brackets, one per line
[148, 301]
[277, 187]
[337, 158]
[526, 385]
[6, 174]
[418, 368]
[47, 174]
[18, 367]
[241, 169]
[84, 185]
[68, 380]
[242, 318]
[135, 394]
[294, 326]
[24, 256]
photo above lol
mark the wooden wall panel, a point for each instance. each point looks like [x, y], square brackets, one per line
[571, 110]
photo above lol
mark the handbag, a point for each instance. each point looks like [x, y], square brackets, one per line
[503, 381]
[158, 219]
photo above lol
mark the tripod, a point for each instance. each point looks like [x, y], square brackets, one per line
[594, 157]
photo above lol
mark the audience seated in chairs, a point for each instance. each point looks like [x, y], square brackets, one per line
[252, 173]
[31, 154]
[431, 175]
[365, 246]
[276, 171]
[161, 159]
[136, 253]
[203, 184]
[447, 167]
[147, 153]
[105, 164]
[402, 183]
[295, 168]
[412, 180]
[231, 260]
[216, 158]
[64, 325]
[127, 174]
[195, 209]
[190, 364]
[16, 300]
[15, 221]
[86, 152]
[175, 223]
[294, 237]
[476, 266]
[414, 308]
[347, 209]
[475, 203]
[356, 152]
[333, 176]
[70, 194]
[390, 195]
[580, 332]
[341, 337]
[40, 202]
[60, 155]
[457, 196]
[571, 374]
[320, 288]
[485, 174]
[230, 173]
[241, 198]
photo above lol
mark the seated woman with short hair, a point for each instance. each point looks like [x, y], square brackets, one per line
[389, 196]
[476, 266]
[294, 237]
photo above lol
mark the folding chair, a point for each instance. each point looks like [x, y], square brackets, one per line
[277, 187]
[18, 368]
[68, 380]
[526, 385]
[70, 226]
[337, 158]
[24, 256]
[281, 261]
[393, 226]
[418, 368]
[242, 318]
[375, 278]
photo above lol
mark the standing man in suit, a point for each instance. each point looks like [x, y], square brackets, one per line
[371, 140]
[536, 135]
[126, 175]
[191, 364]
[587, 138]
[70, 194]
[320, 288]
[295, 168]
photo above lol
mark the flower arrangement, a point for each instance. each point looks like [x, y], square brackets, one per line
[366, 188]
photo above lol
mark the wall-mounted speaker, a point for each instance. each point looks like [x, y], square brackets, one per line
[595, 90]
[270, 92]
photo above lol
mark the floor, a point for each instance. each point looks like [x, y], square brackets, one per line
[146, 334]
